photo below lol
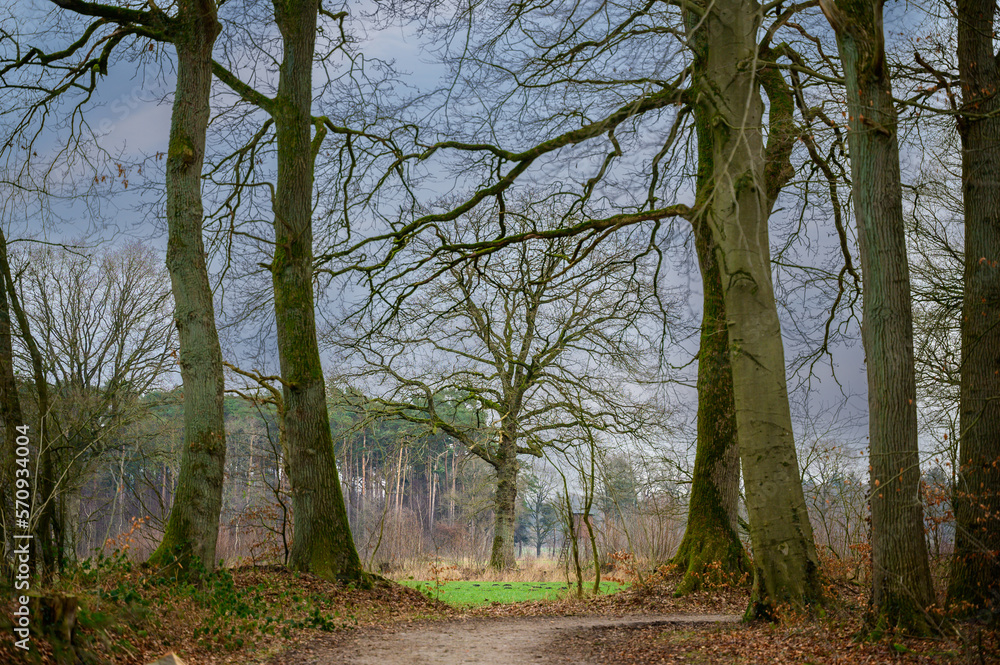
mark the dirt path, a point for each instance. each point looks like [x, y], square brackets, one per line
[484, 641]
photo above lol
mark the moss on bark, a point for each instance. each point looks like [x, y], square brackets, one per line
[322, 543]
[192, 528]
[711, 549]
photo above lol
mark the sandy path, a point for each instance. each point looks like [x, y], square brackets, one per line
[485, 641]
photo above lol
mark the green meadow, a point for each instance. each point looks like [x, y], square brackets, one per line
[472, 593]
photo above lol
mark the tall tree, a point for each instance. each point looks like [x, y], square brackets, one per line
[976, 565]
[540, 515]
[193, 526]
[902, 589]
[192, 529]
[785, 562]
[10, 412]
[44, 521]
[102, 321]
[710, 535]
[568, 51]
[323, 543]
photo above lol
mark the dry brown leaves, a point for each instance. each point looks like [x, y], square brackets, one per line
[265, 611]
[817, 642]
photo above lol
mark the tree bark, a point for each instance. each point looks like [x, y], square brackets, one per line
[786, 568]
[193, 526]
[901, 572]
[975, 575]
[10, 411]
[713, 509]
[43, 501]
[505, 505]
[322, 544]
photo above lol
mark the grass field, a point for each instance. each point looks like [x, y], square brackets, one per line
[471, 593]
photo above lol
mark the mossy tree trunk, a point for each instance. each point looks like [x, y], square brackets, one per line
[785, 564]
[975, 577]
[710, 536]
[505, 504]
[193, 526]
[713, 509]
[322, 543]
[902, 588]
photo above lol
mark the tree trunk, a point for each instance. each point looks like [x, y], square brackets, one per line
[901, 573]
[786, 568]
[713, 509]
[193, 526]
[505, 505]
[43, 502]
[69, 511]
[10, 412]
[322, 544]
[975, 577]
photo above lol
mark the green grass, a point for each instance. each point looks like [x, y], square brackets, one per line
[471, 593]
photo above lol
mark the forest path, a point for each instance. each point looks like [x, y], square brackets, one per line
[501, 641]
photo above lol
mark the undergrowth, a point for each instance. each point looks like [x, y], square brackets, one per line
[129, 613]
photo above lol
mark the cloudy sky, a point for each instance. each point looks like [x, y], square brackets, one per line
[130, 116]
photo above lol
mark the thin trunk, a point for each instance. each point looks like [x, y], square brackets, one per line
[193, 526]
[975, 575]
[454, 477]
[902, 584]
[163, 489]
[399, 479]
[786, 568]
[70, 519]
[10, 412]
[323, 543]
[588, 502]
[43, 503]
[365, 481]
[433, 483]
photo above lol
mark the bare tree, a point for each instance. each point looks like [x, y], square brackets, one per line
[13, 417]
[976, 572]
[636, 89]
[323, 542]
[746, 176]
[902, 583]
[102, 324]
[540, 514]
[534, 338]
